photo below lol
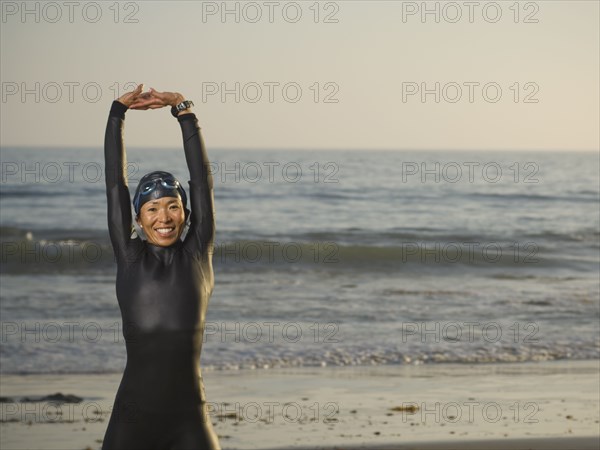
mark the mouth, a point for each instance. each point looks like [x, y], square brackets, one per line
[165, 231]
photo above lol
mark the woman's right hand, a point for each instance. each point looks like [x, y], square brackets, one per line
[130, 98]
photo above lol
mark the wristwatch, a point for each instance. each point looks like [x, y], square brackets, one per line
[181, 106]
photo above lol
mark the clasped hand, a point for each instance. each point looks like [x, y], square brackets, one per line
[149, 100]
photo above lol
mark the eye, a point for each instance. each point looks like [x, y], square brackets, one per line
[152, 209]
[174, 206]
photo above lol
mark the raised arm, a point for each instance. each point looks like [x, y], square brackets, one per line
[202, 227]
[115, 169]
[201, 234]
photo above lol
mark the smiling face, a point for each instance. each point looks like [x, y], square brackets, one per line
[162, 220]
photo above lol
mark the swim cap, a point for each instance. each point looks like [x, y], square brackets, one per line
[157, 185]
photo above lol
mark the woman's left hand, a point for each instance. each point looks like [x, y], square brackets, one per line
[155, 99]
[129, 98]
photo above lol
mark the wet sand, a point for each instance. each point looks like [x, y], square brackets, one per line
[584, 443]
[548, 405]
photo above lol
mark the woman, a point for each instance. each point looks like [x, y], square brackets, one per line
[163, 288]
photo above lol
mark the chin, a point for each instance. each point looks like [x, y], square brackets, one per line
[167, 242]
[164, 244]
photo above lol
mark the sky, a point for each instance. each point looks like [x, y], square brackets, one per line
[479, 75]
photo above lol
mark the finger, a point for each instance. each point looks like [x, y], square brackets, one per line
[143, 103]
[157, 94]
[150, 106]
[158, 104]
[137, 90]
[145, 100]
[136, 94]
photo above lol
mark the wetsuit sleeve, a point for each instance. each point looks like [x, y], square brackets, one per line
[117, 192]
[201, 234]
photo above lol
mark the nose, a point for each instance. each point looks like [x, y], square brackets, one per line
[163, 215]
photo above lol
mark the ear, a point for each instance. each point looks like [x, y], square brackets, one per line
[137, 219]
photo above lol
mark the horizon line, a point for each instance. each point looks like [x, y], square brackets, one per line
[286, 149]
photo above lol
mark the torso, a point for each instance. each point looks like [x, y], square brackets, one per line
[163, 294]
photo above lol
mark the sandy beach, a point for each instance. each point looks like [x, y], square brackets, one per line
[530, 406]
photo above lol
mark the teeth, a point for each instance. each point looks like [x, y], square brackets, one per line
[164, 230]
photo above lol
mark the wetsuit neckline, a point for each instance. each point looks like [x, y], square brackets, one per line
[164, 254]
[158, 248]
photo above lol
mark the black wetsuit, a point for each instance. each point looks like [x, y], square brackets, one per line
[163, 293]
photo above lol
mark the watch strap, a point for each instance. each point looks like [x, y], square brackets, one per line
[175, 110]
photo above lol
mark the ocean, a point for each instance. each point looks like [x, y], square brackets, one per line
[322, 258]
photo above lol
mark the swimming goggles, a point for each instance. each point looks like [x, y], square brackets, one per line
[151, 185]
